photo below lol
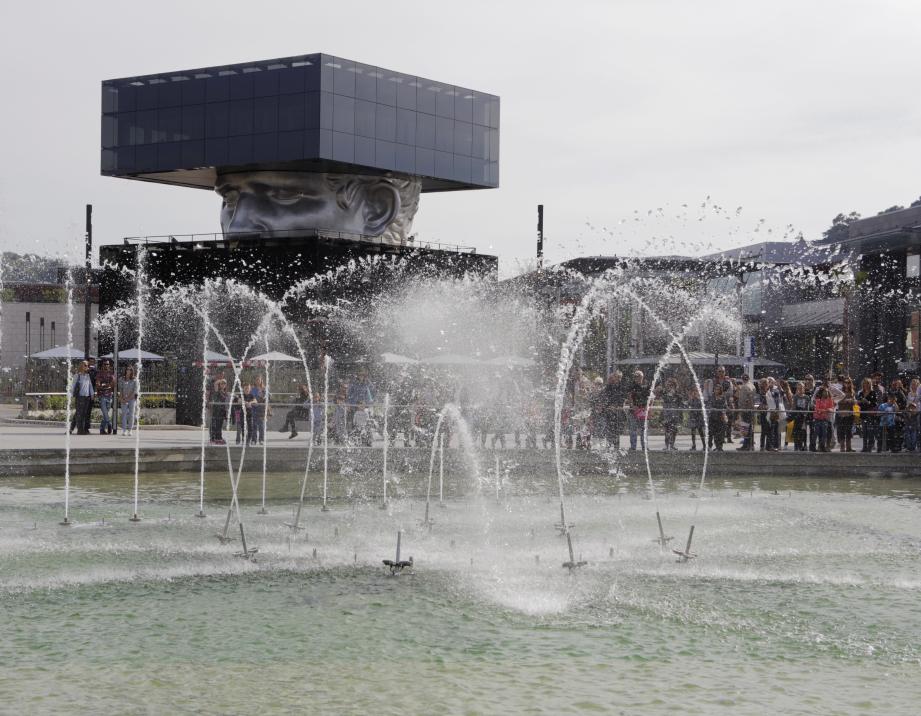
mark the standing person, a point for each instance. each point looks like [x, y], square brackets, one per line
[824, 405]
[911, 427]
[671, 412]
[763, 413]
[800, 409]
[776, 414]
[810, 388]
[845, 419]
[636, 420]
[696, 420]
[718, 417]
[897, 393]
[128, 395]
[84, 392]
[360, 392]
[612, 402]
[258, 400]
[298, 412]
[729, 394]
[218, 411]
[786, 427]
[105, 390]
[887, 411]
[869, 420]
[247, 407]
[746, 406]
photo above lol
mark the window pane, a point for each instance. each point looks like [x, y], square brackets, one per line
[444, 102]
[425, 97]
[265, 117]
[343, 147]
[169, 124]
[406, 126]
[126, 129]
[385, 154]
[364, 151]
[444, 134]
[385, 124]
[480, 146]
[290, 112]
[241, 86]
[444, 164]
[109, 131]
[240, 149]
[425, 162]
[406, 92]
[217, 89]
[241, 117]
[425, 131]
[365, 82]
[265, 84]
[293, 80]
[463, 138]
[146, 127]
[463, 105]
[265, 147]
[343, 115]
[170, 94]
[193, 91]
[147, 97]
[344, 78]
[290, 145]
[405, 159]
[364, 118]
[386, 90]
[193, 121]
[217, 119]
[481, 111]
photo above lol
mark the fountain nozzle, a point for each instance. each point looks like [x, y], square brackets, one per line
[684, 556]
[572, 563]
[662, 539]
[397, 565]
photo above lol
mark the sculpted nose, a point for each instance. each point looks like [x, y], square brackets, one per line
[246, 216]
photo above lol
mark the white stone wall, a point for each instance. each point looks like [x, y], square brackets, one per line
[15, 334]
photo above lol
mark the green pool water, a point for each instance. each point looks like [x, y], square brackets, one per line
[800, 602]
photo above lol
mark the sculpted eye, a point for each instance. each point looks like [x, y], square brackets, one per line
[285, 196]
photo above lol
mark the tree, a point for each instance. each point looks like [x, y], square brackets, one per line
[894, 207]
[839, 227]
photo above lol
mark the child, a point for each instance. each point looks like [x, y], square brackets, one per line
[887, 423]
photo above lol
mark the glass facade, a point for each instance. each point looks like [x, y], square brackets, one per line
[314, 112]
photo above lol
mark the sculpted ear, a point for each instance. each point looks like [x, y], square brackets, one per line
[380, 206]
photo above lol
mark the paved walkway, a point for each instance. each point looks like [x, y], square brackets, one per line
[35, 436]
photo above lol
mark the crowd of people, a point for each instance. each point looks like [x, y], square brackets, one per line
[508, 409]
[91, 386]
[800, 415]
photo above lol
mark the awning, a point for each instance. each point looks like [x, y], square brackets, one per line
[397, 359]
[59, 353]
[132, 354]
[275, 357]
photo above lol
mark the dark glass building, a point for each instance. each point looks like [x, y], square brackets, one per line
[311, 112]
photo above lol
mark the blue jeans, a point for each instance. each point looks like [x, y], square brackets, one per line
[636, 427]
[128, 415]
[105, 406]
[822, 432]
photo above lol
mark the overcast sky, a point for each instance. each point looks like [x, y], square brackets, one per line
[792, 111]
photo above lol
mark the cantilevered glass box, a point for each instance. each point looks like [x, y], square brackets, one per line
[311, 113]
